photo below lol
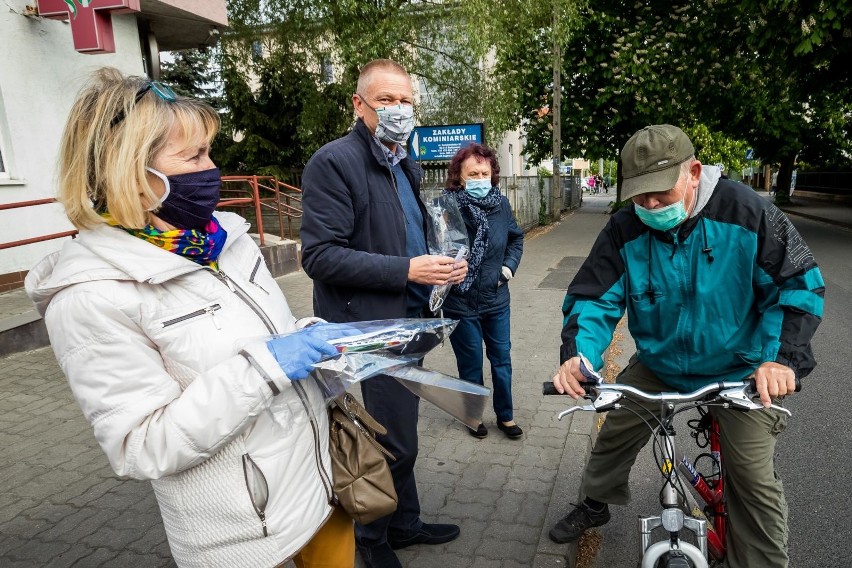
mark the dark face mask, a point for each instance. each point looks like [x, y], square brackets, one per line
[190, 199]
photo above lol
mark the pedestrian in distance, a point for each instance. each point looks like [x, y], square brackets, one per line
[748, 306]
[158, 314]
[481, 302]
[364, 245]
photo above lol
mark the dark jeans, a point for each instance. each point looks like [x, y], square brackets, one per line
[467, 340]
[396, 408]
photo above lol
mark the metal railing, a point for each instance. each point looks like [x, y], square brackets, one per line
[245, 192]
[839, 183]
[240, 192]
[21, 242]
[533, 199]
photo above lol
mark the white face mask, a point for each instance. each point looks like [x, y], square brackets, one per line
[395, 122]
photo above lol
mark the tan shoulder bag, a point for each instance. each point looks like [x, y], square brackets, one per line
[362, 478]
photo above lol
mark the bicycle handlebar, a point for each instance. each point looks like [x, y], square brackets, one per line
[640, 395]
[735, 394]
[548, 388]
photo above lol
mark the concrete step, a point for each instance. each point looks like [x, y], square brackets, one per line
[21, 327]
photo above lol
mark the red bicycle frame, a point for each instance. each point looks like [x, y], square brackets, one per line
[712, 492]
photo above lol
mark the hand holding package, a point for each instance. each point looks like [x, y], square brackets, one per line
[296, 353]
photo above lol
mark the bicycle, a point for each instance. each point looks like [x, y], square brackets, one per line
[680, 510]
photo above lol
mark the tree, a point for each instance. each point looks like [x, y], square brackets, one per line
[278, 59]
[191, 73]
[808, 110]
[633, 64]
[277, 123]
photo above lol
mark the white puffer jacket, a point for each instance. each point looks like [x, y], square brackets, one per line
[167, 361]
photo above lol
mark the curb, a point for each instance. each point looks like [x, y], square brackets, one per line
[582, 433]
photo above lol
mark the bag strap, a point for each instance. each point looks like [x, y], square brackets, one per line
[358, 415]
[350, 405]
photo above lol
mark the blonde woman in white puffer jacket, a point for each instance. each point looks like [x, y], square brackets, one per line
[158, 313]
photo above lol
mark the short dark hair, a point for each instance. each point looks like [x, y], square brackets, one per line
[481, 152]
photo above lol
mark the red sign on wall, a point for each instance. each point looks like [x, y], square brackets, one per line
[91, 20]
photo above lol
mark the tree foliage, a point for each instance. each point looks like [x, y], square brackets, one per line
[717, 64]
[192, 73]
[771, 74]
[280, 53]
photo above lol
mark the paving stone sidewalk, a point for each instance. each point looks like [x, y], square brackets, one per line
[61, 505]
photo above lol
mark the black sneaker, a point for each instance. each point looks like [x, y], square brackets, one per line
[575, 523]
[379, 556]
[434, 533]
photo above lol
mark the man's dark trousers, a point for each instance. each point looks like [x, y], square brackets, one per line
[397, 409]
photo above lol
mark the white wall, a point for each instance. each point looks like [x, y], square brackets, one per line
[514, 162]
[40, 74]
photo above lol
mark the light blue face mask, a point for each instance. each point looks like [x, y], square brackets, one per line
[664, 218]
[477, 188]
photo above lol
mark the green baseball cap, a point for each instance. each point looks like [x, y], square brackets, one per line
[651, 159]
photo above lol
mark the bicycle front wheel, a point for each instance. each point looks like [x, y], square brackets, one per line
[674, 559]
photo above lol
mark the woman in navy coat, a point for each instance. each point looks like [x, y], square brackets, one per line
[481, 301]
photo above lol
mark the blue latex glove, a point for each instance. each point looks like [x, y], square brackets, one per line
[329, 331]
[298, 352]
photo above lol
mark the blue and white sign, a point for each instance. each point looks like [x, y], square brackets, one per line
[749, 154]
[440, 143]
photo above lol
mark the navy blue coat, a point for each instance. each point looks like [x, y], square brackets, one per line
[505, 247]
[353, 229]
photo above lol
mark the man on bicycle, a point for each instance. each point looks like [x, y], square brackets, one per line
[718, 285]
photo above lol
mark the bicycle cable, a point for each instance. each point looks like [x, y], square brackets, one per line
[656, 447]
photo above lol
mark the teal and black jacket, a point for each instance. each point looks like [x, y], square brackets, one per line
[729, 289]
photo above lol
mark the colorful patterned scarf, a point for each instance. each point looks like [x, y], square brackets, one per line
[476, 212]
[202, 247]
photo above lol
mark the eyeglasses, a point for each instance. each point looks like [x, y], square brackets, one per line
[163, 91]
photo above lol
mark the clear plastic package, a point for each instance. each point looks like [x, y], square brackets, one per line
[447, 236]
[394, 348]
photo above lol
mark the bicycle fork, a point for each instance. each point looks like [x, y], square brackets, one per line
[672, 518]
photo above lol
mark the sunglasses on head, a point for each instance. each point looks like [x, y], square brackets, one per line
[163, 91]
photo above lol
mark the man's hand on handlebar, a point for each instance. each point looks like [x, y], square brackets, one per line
[773, 380]
[568, 378]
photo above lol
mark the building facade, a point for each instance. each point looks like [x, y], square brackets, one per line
[48, 48]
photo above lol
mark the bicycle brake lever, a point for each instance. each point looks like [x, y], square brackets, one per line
[739, 398]
[602, 403]
[584, 408]
[780, 409]
[606, 401]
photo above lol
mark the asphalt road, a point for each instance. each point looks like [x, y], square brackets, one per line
[813, 455]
